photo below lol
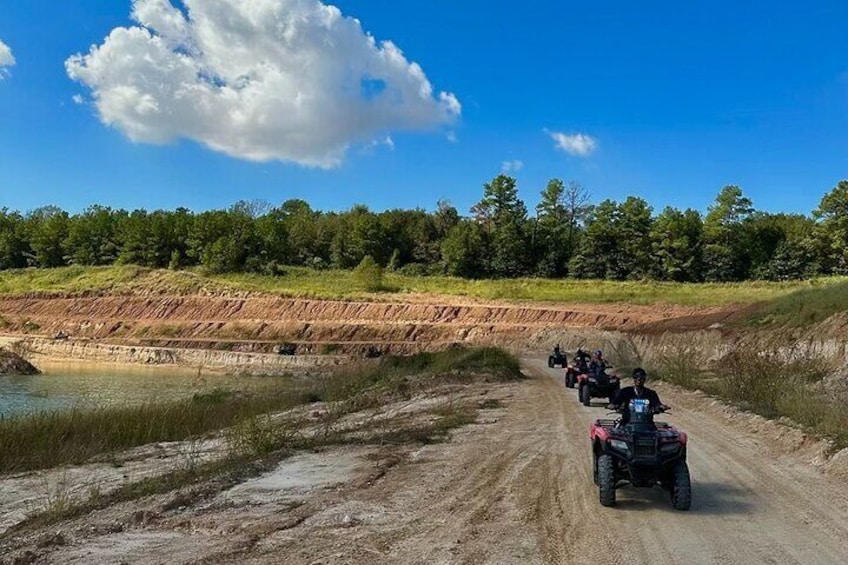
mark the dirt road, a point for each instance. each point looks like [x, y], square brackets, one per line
[514, 488]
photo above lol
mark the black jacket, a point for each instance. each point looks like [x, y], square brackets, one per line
[628, 393]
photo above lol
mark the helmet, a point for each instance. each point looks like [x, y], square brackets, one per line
[599, 353]
[639, 374]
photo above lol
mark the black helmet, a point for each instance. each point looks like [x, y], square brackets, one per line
[640, 374]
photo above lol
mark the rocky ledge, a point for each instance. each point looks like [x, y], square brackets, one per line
[14, 364]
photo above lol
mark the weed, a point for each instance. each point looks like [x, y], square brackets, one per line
[771, 383]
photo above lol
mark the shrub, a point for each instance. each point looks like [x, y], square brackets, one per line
[369, 275]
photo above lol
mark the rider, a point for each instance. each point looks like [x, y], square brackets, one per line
[598, 365]
[638, 390]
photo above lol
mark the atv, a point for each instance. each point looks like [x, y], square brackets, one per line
[557, 358]
[641, 453]
[595, 385]
[572, 371]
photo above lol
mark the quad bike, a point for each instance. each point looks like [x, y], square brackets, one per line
[557, 358]
[596, 385]
[573, 371]
[640, 453]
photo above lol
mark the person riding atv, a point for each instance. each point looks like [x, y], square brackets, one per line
[598, 364]
[579, 366]
[637, 391]
[636, 450]
[581, 357]
[596, 382]
[557, 358]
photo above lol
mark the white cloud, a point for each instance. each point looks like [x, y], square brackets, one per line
[290, 80]
[512, 166]
[6, 59]
[578, 144]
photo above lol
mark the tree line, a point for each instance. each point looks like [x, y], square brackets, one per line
[568, 236]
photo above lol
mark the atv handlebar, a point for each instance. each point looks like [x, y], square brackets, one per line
[619, 409]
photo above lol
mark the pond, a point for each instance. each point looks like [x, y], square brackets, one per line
[65, 385]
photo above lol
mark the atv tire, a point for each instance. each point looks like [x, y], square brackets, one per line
[681, 487]
[595, 468]
[606, 480]
[585, 397]
[569, 382]
[551, 362]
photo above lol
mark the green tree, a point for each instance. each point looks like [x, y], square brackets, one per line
[503, 217]
[829, 240]
[47, 229]
[93, 236]
[599, 252]
[633, 227]
[14, 246]
[552, 231]
[462, 250]
[677, 245]
[726, 252]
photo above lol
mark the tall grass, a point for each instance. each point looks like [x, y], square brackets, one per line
[808, 305]
[48, 439]
[342, 284]
[767, 384]
[66, 437]
[115, 278]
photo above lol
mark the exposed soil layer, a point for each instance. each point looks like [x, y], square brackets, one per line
[260, 324]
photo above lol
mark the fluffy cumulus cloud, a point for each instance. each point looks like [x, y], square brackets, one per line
[512, 166]
[578, 144]
[290, 80]
[6, 59]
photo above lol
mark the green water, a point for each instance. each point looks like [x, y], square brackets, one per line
[65, 385]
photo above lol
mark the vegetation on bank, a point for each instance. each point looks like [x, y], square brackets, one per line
[567, 236]
[806, 304]
[70, 437]
[766, 383]
[341, 284]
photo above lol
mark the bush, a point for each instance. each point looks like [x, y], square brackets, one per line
[369, 275]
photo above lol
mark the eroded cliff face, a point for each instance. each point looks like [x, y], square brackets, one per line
[257, 324]
[236, 332]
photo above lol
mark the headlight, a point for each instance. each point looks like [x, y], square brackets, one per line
[618, 445]
[593, 380]
[669, 447]
[613, 379]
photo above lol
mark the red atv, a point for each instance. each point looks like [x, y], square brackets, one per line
[573, 371]
[596, 385]
[641, 453]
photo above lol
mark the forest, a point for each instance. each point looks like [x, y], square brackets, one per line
[567, 236]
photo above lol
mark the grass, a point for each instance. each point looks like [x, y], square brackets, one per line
[49, 439]
[814, 303]
[766, 384]
[343, 284]
[119, 279]
[339, 284]
[46, 440]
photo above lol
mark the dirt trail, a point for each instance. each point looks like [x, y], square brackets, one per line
[514, 488]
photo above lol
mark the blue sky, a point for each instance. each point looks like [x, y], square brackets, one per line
[204, 103]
